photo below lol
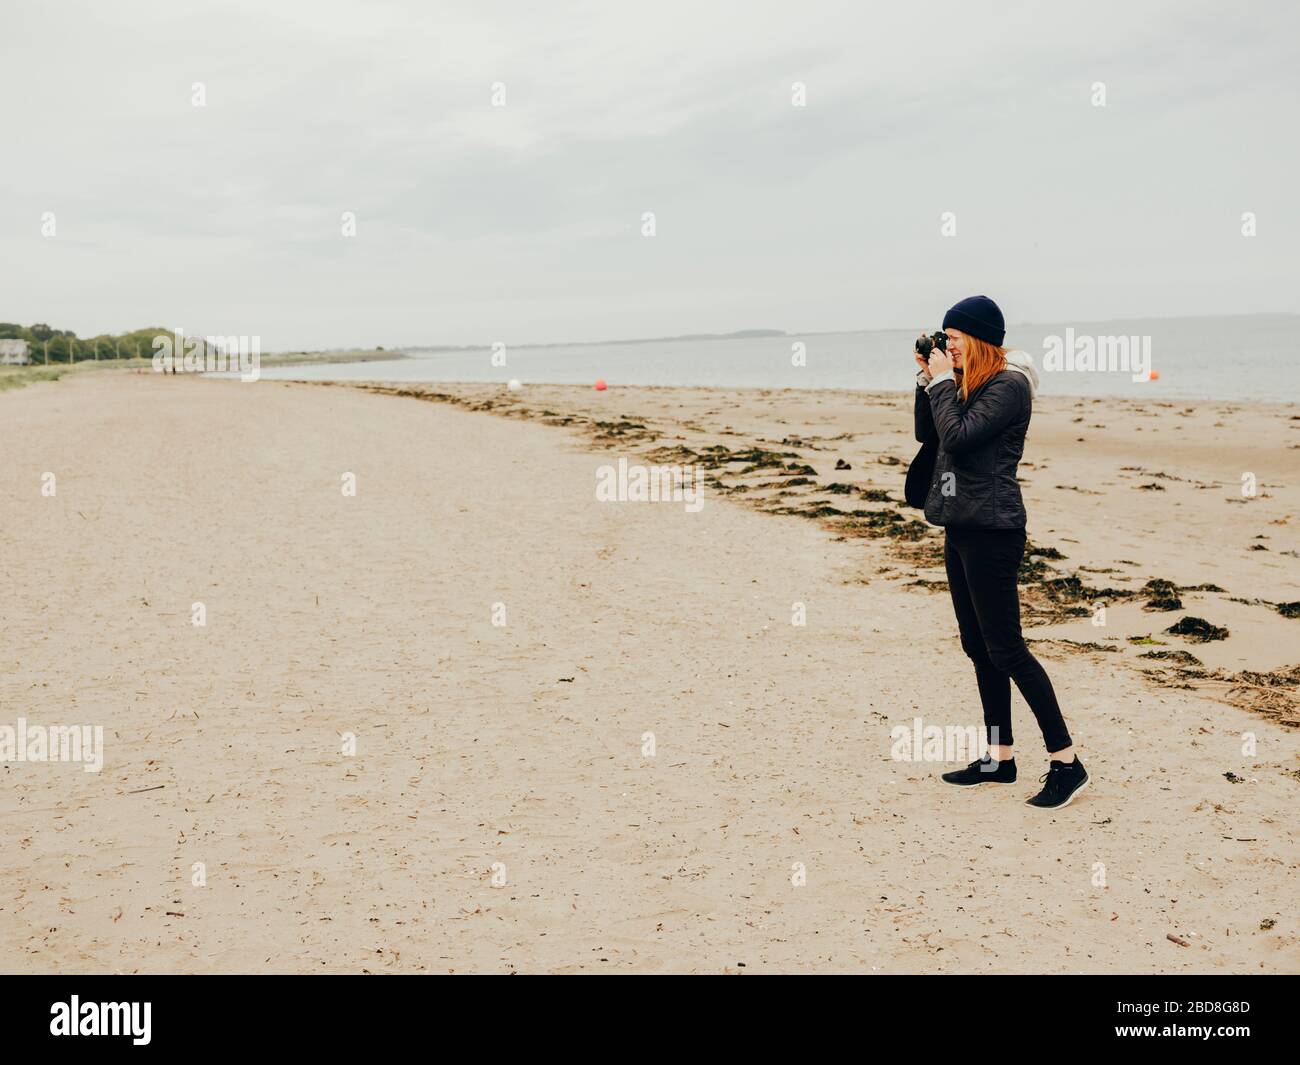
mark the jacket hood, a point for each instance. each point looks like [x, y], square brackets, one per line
[1023, 362]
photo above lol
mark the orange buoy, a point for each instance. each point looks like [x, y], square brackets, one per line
[600, 384]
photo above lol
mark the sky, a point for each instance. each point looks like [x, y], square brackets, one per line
[477, 223]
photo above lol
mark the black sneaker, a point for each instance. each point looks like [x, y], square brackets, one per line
[1063, 781]
[984, 771]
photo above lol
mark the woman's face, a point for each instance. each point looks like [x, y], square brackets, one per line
[956, 345]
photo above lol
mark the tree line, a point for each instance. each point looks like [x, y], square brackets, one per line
[63, 345]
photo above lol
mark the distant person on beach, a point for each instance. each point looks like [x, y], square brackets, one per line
[973, 403]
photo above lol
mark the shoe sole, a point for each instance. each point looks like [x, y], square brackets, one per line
[975, 783]
[1062, 806]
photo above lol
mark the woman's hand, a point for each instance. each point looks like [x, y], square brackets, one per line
[920, 359]
[940, 362]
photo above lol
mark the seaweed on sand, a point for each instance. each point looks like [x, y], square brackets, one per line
[1032, 566]
[873, 495]
[1072, 590]
[1160, 595]
[1182, 658]
[926, 551]
[1197, 630]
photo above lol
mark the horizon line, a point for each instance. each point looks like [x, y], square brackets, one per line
[772, 334]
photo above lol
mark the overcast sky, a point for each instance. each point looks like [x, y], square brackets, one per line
[522, 223]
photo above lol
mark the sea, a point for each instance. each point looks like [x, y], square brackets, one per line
[1247, 357]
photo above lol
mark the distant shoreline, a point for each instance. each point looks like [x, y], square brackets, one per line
[315, 358]
[768, 334]
[740, 334]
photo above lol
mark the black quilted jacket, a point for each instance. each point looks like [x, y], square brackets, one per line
[980, 443]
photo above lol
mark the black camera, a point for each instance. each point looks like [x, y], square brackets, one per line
[934, 340]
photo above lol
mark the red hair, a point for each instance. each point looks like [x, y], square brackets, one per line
[980, 362]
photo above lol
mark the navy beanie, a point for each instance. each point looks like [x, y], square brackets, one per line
[979, 317]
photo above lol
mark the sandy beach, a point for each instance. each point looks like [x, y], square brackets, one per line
[588, 736]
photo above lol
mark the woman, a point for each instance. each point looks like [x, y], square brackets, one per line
[974, 400]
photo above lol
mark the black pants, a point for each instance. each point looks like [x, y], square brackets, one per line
[982, 565]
